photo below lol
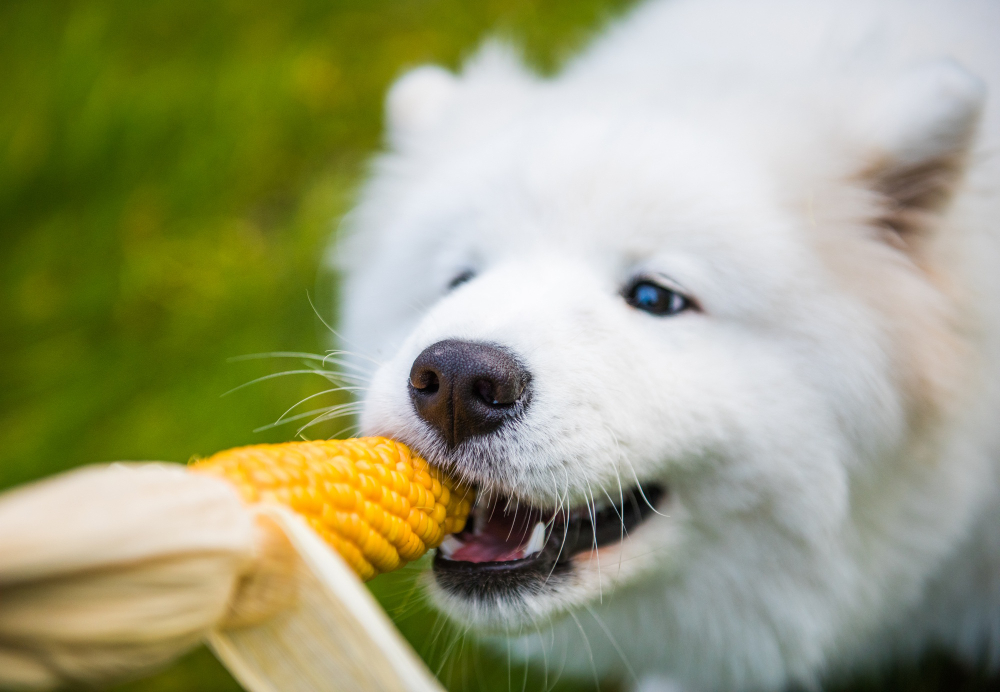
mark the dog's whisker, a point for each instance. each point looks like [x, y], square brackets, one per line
[592, 511]
[436, 631]
[300, 416]
[282, 418]
[338, 335]
[333, 413]
[565, 653]
[524, 667]
[513, 523]
[349, 431]
[562, 506]
[306, 357]
[510, 673]
[621, 519]
[545, 658]
[334, 355]
[350, 382]
[275, 354]
[272, 376]
[590, 651]
[638, 485]
[614, 643]
[447, 653]
[327, 412]
[619, 456]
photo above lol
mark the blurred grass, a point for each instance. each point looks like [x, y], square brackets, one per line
[170, 172]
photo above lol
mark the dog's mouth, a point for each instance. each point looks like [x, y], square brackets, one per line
[506, 546]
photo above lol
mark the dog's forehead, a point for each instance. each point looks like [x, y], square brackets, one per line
[612, 184]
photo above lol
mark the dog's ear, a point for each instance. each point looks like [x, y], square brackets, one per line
[417, 100]
[919, 134]
[492, 81]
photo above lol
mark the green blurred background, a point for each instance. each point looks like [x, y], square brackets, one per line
[170, 173]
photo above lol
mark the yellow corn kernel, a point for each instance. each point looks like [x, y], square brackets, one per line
[370, 499]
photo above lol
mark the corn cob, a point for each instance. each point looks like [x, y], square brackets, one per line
[373, 501]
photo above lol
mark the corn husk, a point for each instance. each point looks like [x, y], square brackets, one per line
[109, 572]
[335, 638]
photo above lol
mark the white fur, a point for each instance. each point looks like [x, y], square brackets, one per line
[825, 423]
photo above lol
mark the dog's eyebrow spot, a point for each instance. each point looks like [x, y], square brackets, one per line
[461, 278]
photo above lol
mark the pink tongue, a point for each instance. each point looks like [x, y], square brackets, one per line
[498, 539]
[486, 548]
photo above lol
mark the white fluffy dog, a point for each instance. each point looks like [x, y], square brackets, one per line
[712, 320]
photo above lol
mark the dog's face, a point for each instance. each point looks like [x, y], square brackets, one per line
[636, 345]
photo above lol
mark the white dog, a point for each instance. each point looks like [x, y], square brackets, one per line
[712, 321]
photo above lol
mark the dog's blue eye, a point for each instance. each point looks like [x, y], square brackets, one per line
[656, 299]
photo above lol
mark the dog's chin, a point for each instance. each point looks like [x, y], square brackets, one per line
[515, 564]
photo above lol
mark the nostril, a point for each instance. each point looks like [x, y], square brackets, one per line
[426, 382]
[497, 394]
[486, 392]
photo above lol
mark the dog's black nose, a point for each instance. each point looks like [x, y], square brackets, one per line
[465, 389]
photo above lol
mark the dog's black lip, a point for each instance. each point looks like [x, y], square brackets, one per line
[479, 579]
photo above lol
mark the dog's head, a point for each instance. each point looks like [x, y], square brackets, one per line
[663, 349]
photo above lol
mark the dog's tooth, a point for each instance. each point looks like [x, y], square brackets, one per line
[537, 540]
[449, 545]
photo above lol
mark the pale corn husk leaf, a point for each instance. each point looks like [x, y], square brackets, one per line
[22, 671]
[336, 638]
[108, 571]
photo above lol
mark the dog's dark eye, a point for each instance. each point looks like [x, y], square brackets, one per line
[655, 299]
[460, 279]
